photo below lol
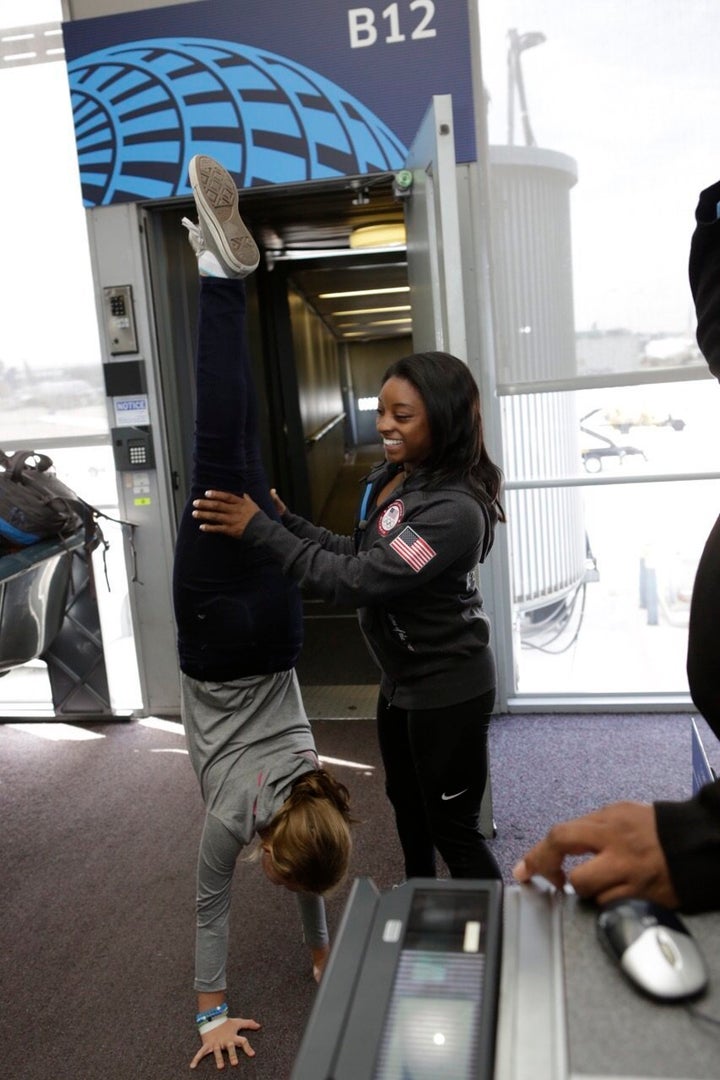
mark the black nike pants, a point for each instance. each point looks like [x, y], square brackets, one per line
[435, 772]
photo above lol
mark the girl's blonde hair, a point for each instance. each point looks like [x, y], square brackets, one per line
[309, 841]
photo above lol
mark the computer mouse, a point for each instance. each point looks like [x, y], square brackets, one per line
[654, 949]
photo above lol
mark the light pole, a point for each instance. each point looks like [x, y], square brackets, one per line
[517, 44]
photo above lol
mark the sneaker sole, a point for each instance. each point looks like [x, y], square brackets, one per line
[216, 197]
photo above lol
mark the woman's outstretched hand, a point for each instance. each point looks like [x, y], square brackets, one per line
[226, 1038]
[221, 512]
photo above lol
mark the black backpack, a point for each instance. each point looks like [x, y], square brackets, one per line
[35, 505]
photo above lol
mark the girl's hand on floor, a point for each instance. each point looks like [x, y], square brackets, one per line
[226, 1037]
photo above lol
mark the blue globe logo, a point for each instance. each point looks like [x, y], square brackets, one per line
[143, 109]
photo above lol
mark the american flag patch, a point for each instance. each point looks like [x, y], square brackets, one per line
[412, 548]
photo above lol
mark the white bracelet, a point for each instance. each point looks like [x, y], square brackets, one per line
[210, 1024]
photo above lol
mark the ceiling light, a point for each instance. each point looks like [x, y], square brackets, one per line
[389, 322]
[375, 322]
[369, 310]
[372, 236]
[363, 292]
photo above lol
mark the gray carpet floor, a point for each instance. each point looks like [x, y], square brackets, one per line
[98, 845]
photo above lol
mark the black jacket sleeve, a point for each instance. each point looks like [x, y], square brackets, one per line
[704, 273]
[703, 667]
[689, 835]
[329, 541]
[450, 528]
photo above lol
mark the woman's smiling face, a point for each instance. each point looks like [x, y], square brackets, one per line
[403, 424]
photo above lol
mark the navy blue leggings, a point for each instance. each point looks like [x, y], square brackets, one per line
[435, 771]
[236, 614]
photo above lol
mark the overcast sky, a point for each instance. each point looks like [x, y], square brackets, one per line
[45, 275]
[631, 90]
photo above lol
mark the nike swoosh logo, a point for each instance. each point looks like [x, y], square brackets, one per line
[445, 797]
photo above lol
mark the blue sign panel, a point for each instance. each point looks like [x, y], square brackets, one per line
[278, 92]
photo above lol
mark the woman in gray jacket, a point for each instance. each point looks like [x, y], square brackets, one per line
[426, 520]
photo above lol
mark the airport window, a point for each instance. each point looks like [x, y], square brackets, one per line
[605, 546]
[598, 150]
[51, 387]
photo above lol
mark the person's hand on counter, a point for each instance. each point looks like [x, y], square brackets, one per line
[625, 856]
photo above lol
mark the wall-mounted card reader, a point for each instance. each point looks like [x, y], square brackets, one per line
[120, 319]
[132, 448]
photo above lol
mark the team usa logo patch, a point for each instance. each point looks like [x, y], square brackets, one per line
[413, 549]
[391, 517]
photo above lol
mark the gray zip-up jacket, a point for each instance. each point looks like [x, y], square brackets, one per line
[411, 570]
[248, 740]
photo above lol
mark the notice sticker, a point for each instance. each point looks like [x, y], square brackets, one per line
[131, 411]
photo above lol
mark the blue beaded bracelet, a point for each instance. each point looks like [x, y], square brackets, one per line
[218, 1010]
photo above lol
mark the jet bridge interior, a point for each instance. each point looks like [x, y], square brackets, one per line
[314, 353]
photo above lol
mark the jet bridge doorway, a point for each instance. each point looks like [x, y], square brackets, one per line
[308, 372]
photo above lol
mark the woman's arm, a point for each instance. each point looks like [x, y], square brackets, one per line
[433, 535]
[218, 1031]
[329, 541]
[222, 512]
[704, 273]
[689, 833]
[315, 931]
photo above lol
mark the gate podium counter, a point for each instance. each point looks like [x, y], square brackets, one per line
[561, 1009]
[567, 1012]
